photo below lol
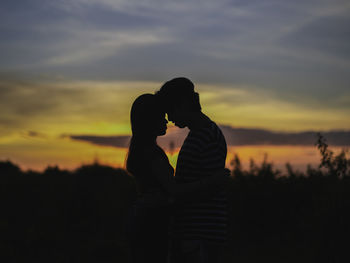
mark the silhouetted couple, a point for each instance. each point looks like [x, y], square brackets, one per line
[181, 218]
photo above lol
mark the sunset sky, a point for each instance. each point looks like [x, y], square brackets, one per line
[73, 67]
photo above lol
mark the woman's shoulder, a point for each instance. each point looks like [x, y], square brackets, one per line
[161, 160]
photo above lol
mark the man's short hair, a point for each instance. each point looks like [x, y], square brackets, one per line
[176, 90]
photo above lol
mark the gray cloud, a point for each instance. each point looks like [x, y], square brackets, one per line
[28, 98]
[234, 137]
[114, 141]
[297, 51]
[329, 34]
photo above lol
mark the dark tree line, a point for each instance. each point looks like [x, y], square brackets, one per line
[76, 216]
[64, 216]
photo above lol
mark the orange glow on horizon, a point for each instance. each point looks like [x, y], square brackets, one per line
[33, 135]
[69, 154]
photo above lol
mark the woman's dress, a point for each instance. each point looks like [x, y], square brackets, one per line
[148, 220]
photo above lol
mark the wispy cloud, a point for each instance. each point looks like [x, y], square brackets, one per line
[234, 137]
[54, 106]
[91, 45]
[294, 54]
[254, 42]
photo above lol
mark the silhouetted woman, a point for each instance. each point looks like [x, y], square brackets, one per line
[157, 189]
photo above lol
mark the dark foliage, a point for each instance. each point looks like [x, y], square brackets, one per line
[78, 216]
[63, 216]
[297, 217]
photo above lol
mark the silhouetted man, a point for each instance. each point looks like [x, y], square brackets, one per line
[199, 226]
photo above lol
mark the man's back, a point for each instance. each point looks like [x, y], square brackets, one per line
[203, 152]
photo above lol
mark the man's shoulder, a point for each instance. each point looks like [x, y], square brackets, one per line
[209, 133]
[204, 137]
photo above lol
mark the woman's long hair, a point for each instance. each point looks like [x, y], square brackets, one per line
[143, 118]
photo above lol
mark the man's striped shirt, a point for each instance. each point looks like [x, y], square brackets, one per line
[203, 152]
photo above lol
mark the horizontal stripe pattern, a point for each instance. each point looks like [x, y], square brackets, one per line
[203, 152]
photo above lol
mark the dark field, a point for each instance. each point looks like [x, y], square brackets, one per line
[62, 216]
